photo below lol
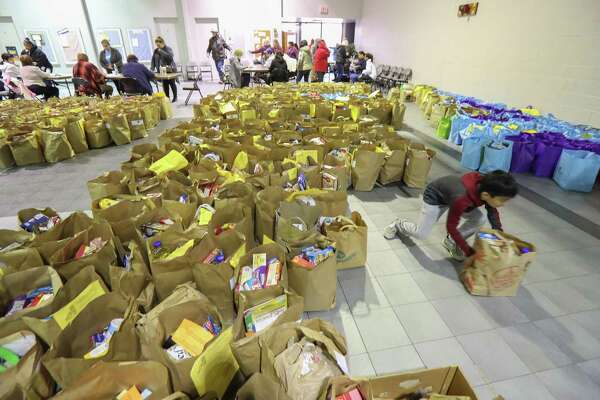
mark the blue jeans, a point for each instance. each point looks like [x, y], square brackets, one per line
[354, 77]
[219, 65]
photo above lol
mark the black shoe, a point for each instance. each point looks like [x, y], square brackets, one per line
[174, 100]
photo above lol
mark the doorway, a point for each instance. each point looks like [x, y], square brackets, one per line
[202, 34]
[167, 28]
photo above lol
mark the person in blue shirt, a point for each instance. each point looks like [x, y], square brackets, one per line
[133, 69]
[110, 58]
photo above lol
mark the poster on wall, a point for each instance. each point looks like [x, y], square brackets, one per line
[140, 41]
[114, 37]
[41, 38]
[71, 43]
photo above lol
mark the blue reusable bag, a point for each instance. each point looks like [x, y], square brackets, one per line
[459, 122]
[472, 151]
[577, 170]
[496, 156]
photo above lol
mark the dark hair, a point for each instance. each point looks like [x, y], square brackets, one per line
[279, 55]
[369, 56]
[28, 41]
[6, 56]
[26, 60]
[132, 58]
[499, 183]
[303, 43]
[361, 52]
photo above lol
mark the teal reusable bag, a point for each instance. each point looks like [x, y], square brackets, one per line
[577, 170]
[443, 129]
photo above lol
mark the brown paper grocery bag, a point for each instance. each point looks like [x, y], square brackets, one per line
[28, 213]
[350, 236]
[55, 145]
[267, 203]
[6, 158]
[26, 149]
[105, 380]
[70, 300]
[151, 114]
[96, 133]
[32, 380]
[118, 129]
[135, 120]
[331, 203]
[499, 265]
[261, 387]
[398, 115]
[65, 360]
[63, 260]
[241, 216]
[393, 167]
[172, 240]
[162, 321]
[418, 163]
[75, 130]
[366, 165]
[108, 184]
[338, 385]
[246, 349]
[22, 257]
[234, 194]
[180, 200]
[217, 281]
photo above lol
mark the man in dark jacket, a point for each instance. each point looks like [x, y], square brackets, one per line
[461, 197]
[216, 48]
[37, 55]
[278, 69]
[341, 58]
[133, 69]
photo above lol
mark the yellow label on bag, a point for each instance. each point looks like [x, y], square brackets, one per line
[173, 161]
[241, 160]
[181, 250]
[214, 369]
[292, 173]
[354, 112]
[247, 115]
[267, 240]
[67, 314]
[534, 112]
[301, 156]
[228, 107]
[313, 110]
[273, 113]
[235, 258]
[192, 337]
[204, 217]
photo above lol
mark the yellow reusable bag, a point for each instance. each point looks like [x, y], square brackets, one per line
[173, 161]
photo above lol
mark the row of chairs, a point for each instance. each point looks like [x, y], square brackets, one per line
[389, 76]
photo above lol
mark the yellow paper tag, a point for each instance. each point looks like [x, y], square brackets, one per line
[292, 173]
[214, 369]
[204, 217]
[530, 131]
[67, 314]
[132, 394]
[181, 250]
[273, 113]
[228, 107]
[235, 258]
[173, 161]
[192, 337]
[313, 110]
[241, 161]
[531, 111]
[267, 240]
[513, 126]
[302, 156]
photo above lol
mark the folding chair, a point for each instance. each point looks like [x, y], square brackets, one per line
[79, 82]
[130, 87]
[206, 68]
[226, 80]
[193, 88]
[26, 92]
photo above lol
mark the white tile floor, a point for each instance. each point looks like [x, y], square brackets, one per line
[407, 309]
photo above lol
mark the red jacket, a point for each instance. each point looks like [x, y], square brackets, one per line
[466, 203]
[320, 58]
[90, 73]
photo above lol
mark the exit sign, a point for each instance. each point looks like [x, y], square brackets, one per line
[324, 10]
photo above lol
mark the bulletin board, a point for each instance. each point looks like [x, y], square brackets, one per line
[113, 35]
[71, 43]
[41, 38]
[140, 42]
[260, 35]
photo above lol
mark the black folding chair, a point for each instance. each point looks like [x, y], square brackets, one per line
[131, 87]
[79, 82]
[193, 88]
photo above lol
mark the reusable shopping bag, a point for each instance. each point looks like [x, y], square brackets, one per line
[76, 134]
[366, 165]
[472, 152]
[577, 170]
[523, 153]
[496, 156]
[393, 168]
[350, 236]
[26, 149]
[547, 154]
[118, 129]
[443, 128]
[418, 163]
[96, 133]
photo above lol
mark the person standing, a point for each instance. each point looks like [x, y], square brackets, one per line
[110, 59]
[38, 57]
[96, 85]
[216, 48]
[35, 79]
[341, 58]
[320, 60]
[305, 62]
[164, 57]
[139, 72]
[292, 50]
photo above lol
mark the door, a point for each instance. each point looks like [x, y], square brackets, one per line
[167, 28]
[8, 35]
[202, 34]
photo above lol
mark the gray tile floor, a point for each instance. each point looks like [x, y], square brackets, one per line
[407, 309]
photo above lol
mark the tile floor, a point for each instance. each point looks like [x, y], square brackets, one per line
[407, 309]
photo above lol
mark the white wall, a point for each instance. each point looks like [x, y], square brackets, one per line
[348, 9]
[540, 52]
[50, 15]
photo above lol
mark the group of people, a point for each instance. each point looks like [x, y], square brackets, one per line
[35, 72]
[353, 66]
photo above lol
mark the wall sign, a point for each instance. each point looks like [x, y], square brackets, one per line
[468, 10]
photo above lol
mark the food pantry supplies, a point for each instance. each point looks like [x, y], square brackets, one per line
[311, 256]
[500, 263]
[261, 274]
[40, 223]
[33, 298]
[262, 315]
[100, 340]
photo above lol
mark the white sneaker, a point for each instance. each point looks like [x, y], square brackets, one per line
[453, 250]
[390, 231]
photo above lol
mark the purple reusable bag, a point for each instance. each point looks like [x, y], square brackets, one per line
[523, 154]
[547, 152]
